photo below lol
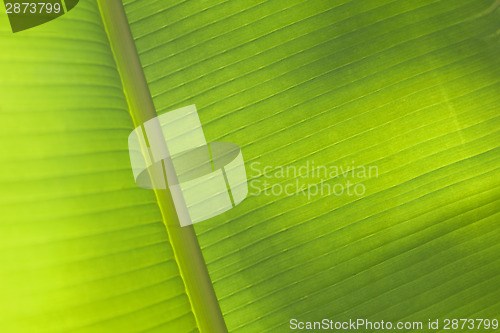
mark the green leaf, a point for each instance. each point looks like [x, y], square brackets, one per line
[82, 248]
[410, 88]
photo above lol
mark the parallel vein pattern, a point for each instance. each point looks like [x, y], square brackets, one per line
[82, 248]
[411, 87]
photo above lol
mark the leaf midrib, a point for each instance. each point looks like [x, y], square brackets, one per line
[186, 249]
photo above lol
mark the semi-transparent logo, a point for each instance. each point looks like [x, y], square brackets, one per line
[205, 179]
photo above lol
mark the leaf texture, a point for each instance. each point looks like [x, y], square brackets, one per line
[82, 248]
[410, 87]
